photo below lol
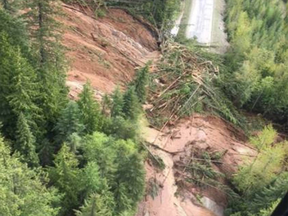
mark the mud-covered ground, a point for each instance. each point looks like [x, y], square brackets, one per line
[105, 50]
[195, 134]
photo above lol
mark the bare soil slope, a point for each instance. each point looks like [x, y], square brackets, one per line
[179, 144]
[105, 50]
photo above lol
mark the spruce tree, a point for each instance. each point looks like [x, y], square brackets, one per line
[48, 57]
[69, 122]
[66, 176]
[22, 190]
[141, 82]
[18, 89]
[130, 178]
[131, 106]
[90, 112]
[117, 103]
[25, 142]
[95, 205]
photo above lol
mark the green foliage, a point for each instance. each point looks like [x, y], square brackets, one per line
[124, 129]
[260, 181]
[140, 83]
[131, 106]
[117, 103]
[265, 139]
[18, 88]
[130, 182]
[16, 31]
[124, 177]
[89, 109]
[21, 189]
[69, 123]
[48, 55]
[265, 166]
[25, 142]
[66, 177]
[257, 59]
[95, 206]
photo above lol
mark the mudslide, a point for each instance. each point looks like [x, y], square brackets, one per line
[197, 133]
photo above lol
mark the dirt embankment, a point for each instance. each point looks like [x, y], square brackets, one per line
[105, 50]
[195, 134]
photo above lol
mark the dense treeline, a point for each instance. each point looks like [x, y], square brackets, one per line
[257, 59]
[256, 79]
[62, 157]
[262, 181]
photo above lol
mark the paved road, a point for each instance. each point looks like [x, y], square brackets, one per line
[201, 21]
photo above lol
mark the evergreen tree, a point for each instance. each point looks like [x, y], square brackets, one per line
[45, 31]
[99, 148]
[69, 123]
[46, 150]
[117, 103]
[131, 106]
[130, 178]
[96, 205]
[140, 83]
[18, 89]
[66, 177]
[10, 5]
[48, 57]
[21, 189]
[90, 112]
[124, 129]
[74, 142]
[25, 142]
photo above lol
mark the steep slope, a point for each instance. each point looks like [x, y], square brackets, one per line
[181, 144]
[105, 50]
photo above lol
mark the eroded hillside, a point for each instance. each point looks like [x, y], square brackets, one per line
[180, 145]
[105, 50]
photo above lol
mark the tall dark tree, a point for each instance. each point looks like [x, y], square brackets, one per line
[22, 189]
[141, 82]
[66, 177]
[18, 88]
[25, 142]
[48, 52]
[117, 103]
[95, 205]
[69, 123]
[90, 112]
[131, 106]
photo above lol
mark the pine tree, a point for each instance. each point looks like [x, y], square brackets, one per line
[99, 148]
[69, 123]
[270, 194]
[48, 57]
[140, 83]
[45, 31]
[18, 89]
[131, 106]
[22, 191]
[96, 205]
[66, 177]
[25, 142]
[90, 112]
[117, 103]
[130, 178]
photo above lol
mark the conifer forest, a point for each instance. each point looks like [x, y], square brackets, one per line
[67, 150]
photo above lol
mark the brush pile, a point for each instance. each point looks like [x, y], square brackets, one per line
[185, 82]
